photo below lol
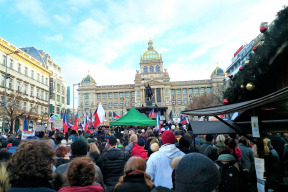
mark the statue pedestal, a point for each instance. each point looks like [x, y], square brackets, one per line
[148, 103]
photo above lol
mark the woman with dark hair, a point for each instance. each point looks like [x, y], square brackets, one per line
[81, 176]
[247, 156]
[234, 150]
[62, 155]
[30, 167]
[135, 178]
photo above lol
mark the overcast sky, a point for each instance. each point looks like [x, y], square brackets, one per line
[108, 37]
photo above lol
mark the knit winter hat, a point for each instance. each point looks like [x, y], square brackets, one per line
[112, 140]
[141, 142]
[168, 137]
[203, 176]
[79, 148]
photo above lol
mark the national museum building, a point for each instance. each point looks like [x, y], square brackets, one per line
[168, 95]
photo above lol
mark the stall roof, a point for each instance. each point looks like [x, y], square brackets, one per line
[211, 127]
[281, 95]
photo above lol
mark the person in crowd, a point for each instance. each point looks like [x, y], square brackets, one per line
[203, 176]
[278, 144]
[153, 147]
[138, 149]
[30, 167]
[133, 141]
[73, 136]
[174, 164]
[113, 163]
[58, 138]
[220, 141]
[135, 178]
[125, 139]
[94, 154]
[4, 178]
[62, 155]
[234, 149]
[247, 156]
[81, 176]
[79, 149]
[102, 143]
[159, 163]
[151, 137]
[184, 145]
[14, 147]
[233, 177]
[208, 148]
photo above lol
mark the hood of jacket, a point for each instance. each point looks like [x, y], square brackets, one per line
[170, 151]
[114, 153]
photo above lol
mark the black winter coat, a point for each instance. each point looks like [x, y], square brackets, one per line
[113, 166]
[133, 183]
[96, 158]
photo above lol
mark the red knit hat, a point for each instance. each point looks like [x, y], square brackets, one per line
[168, 137]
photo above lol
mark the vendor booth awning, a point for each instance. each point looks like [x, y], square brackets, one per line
[135, 118]
[211, 127]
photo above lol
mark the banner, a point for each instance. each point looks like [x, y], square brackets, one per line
[26, 134]
[58, 124]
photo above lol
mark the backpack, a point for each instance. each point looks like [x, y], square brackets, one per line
[232, 178]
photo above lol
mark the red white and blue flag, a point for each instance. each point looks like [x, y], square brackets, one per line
[75, 126]
[152, 113]
[99, 115]
[158, 122]
[115, 116]
[65, 123]
[86, 122]
[183, 120]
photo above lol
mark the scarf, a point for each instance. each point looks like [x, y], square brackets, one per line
[226, 157]
[89, 188]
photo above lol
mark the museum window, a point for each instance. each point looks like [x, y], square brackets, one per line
[196, 90]
[133, 94]
[138, 93]
[110, 104]
[151, 69]
[145, 69]
[190, 91]
[104, 104]
[116, 104]
[157, 69]
[86, 96]
[127, 94]
[133, 103]
[179, 101]
[99, 96]
[121, 94]
[185, 100]
[184, 91]
[167, 101]
[138, 102]
[167, 91]
[121, 104]
[86, 105]
[104, 95]
[127, 103]
[110, 95]
[202, 90]
[208, 89]
[115, 95]
[172, 91]
[178, 91]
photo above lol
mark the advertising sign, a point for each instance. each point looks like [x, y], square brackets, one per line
[51, 88]
[68, 95]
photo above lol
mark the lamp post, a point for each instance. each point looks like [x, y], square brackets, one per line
[73, 95]
[6, 77]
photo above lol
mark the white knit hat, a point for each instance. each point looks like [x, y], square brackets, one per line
[173, 127]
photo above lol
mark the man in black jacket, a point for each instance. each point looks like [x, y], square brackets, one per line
[79, 149]
[208, 148]
[113, 163]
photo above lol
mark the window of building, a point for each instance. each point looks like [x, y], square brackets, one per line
[86, 105]
[208, 89]
[26, 71]
[42, 95]
[104, 104]
[25, 88]
[32, 91]
[4, 59]
[151, 69]
[42, 79]
[63, 99]
[63, 90]
[58, 110]
[46, 96]
[18, 86]
[115, 95]
[110, 114]
[121, 94]
[110, 104]
[121, 104]
[196, 90]
[133, 103]
[11, 63]
[10, 83]
[172, 91]
[99, 96]
[104, 95]
[138, 93]
[58, 87]
[42, 110]
[166, 91]
[180, 110]
[19, 67]
[133, 94]
[184, 91]
[116, 104]
[157, 69]
[53, 96]
[86, 96]
[185, 100]
[202, 90]
[127, 103]
[58, 98]
[190, 91]
[3, 80]
[38, 77]
[25, 106]
[145, 69]
[179, 101]
[138, 102]
[32, 74]
[46, 82]
[127, 94]
[167, 101]
[110, 95]
[178, 91]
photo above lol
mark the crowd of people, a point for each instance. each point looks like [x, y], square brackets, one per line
[124, 159]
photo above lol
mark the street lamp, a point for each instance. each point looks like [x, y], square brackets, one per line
[6, 77]
[73, 95]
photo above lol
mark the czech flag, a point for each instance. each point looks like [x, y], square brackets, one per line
[99, 115]
[158, 122]
[65, 123]
[75, 126]
[115, 116]
[86, 122]
[152, 113]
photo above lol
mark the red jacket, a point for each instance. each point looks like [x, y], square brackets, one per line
[237, 154]
[139, 151]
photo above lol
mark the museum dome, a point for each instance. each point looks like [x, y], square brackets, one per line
[150, 54]
[218, 71]
[88, 79]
